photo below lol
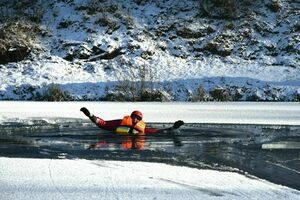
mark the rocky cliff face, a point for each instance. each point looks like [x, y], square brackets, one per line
[151, 50]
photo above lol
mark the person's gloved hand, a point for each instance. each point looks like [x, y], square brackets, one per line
[177, 124]
[85, 111]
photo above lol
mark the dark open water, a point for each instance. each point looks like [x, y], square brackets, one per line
[268, 152]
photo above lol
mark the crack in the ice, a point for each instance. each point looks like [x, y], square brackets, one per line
[211, 192]
[53, 183]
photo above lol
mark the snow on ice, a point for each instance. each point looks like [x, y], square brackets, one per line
[83, 179]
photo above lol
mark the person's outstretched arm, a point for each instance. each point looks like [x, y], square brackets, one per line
[176, 125]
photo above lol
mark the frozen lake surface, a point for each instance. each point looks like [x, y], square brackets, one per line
[50, 155]
[255, 149]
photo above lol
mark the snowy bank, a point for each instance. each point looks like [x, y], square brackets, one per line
[210, 112]
[82, 179]
[92, 50]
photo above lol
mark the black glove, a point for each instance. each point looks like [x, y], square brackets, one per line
[85, 111]
[177, 124]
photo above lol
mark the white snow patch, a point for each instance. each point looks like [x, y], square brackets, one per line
[82, 179]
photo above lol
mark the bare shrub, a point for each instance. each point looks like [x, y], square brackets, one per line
[297, 97]
[131, 83]
[136, 84]
[17, 39]
[54, 93]
[200, 94]
[140, 2]
[110, 15]
[227, 93]
[219, 94]
[274, 5]
[21, 10]
[223, 9]
[226, 9]
[109, 21]
[100, 6]
[152, 95]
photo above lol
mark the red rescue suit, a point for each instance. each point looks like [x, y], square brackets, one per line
[113, 125]
[126, 127]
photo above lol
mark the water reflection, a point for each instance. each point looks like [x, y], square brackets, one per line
[126, 141]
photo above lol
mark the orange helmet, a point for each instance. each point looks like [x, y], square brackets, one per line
[137, 113]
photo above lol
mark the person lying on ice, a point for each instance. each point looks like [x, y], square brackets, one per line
[132, 124]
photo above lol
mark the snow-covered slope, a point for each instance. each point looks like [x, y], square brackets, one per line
[174, 50]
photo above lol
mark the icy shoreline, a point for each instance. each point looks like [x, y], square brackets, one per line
[284, 113]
